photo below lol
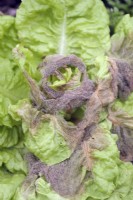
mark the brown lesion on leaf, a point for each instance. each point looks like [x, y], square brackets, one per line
[84, 136]
[88, 155]
[50, 100]
[121, 56]
[125, 142]
[123, 127]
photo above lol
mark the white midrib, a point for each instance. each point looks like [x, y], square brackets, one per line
[63, 37]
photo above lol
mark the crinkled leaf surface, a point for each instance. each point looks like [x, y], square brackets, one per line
[123, 30]
[43, 134]
[121, 116]
[111, 178]
[27, 60]
[125, 106]
[12, 84]
[64, 27]
[8, 36]
[69, 76]
[13, 160]
[122, 55]
[42, 192]
[47, 143]
[125, 25]
[9, 136]
[98, 70]
[13, 87]
[8, 184]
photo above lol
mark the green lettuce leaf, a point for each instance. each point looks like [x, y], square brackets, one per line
[121, 115]
[69, 77]
[64, 27]
[121, 56]
[99, 70]
[111, 178]
[125, 25]
[121, 48]
[8, 184]
[13, 87]
[27, 60]
[125, 106]
[42, 133]
[42, 191]
[123, 30]
[12, 159]
[9, 136]
[47, 143]
[8, 36]
[12, 84]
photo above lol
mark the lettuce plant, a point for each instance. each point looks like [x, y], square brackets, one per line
[66, 99]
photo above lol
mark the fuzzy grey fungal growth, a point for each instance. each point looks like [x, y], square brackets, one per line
[70, 95]
[54, 95]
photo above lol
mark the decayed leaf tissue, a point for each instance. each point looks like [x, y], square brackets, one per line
[66, 116]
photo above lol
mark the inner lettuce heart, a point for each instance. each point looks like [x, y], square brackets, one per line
[64, 77]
